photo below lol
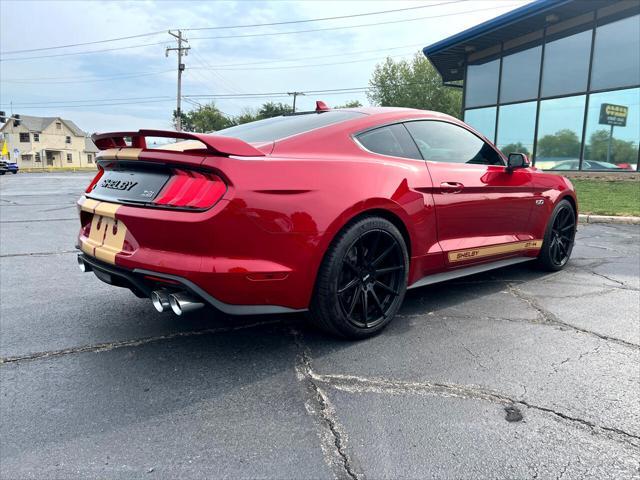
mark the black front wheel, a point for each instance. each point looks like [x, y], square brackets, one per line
[558, 238]
[362, 280]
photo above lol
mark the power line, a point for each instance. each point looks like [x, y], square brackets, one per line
[94, 42]
[345, 27]
[205, 66]
[138, 100]
[260, 34]
[289, 22]
[225, 27]
[88, 52]
[88, 100]
[98, 104]
[343, 54]
[215, 74]
[86, 79]
[285, 67]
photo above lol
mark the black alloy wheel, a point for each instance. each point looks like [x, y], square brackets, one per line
[363, 279]
[559, 238]
[371, 277]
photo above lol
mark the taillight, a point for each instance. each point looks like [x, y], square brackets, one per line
[95, 180]
[188, 189]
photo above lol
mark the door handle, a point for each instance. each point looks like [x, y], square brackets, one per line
[451, 187]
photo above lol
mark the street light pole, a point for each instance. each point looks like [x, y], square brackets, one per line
[179, 49]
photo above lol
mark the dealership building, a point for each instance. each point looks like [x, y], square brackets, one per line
[558, 80]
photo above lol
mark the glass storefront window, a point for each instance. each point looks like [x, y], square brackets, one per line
[516, 128]
[482, 84]
[520, 75]
[560, 133]
[616, 54]
[483, 120]
[607, 146]
[566, 65]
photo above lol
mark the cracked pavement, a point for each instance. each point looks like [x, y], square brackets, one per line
[512, 373]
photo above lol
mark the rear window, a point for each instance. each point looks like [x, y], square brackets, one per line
[275, 128]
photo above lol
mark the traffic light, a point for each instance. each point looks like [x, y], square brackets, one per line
[16, 120]
[3, 117]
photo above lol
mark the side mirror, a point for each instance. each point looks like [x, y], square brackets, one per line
[517, 160]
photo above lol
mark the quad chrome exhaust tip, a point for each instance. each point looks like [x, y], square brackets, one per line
[160, 300]
[82, 265]
[182, 302]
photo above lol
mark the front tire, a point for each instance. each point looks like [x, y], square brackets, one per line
[362, 280]
[558, 238]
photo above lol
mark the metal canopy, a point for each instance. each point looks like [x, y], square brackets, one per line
[448, 56]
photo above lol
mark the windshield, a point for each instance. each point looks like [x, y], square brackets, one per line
[275, 128]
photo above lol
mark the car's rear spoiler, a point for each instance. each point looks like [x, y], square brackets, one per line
[216, 144]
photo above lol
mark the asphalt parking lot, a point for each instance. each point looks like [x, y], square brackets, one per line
[510, 374]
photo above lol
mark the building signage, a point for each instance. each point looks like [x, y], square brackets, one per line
[614, 115]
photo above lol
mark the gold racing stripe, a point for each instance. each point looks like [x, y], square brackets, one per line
[481, 252]
[88, 204]
[120, 153]
[107, 234]
[107, 209]
[129, 153]
[113, 240]
[108, 154]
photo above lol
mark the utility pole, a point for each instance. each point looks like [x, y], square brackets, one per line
[294, 95]
[179, 49]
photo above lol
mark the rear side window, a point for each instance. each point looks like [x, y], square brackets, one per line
[392, 140]
[446, 142]
[275, 128]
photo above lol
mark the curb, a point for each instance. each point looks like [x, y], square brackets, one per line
[582, 218]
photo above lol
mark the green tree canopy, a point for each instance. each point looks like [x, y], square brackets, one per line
[621, 151]
[273, 109]
[517, 147]
[564, 143]
[412, 83]
[247, 115]
[350, 104]
[206, 118]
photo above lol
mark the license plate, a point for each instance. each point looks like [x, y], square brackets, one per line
[129, 186]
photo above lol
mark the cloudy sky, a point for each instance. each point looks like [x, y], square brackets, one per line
[133, 84]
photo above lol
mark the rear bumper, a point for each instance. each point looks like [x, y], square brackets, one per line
[143, 282]
[238, 259]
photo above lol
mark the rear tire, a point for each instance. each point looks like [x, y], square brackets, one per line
[362, 280]
[558, 238]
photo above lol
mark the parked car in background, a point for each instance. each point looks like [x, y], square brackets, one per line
[586, 165]
[337, 212]
[3, 167]
[13, 167]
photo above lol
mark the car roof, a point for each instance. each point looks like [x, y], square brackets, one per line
[393, 113]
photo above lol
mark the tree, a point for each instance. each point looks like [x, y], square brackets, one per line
[517, 147]
[206, 118]
[273, 109]
[185, 122]
[247, 115]
[412, 83]
[350, 104]
[564, 143]
[621, 151]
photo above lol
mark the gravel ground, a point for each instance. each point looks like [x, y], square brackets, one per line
[509, 374]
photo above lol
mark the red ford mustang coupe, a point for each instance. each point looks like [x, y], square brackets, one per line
[336, 212]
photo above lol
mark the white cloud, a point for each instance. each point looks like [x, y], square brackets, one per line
[53, 23]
